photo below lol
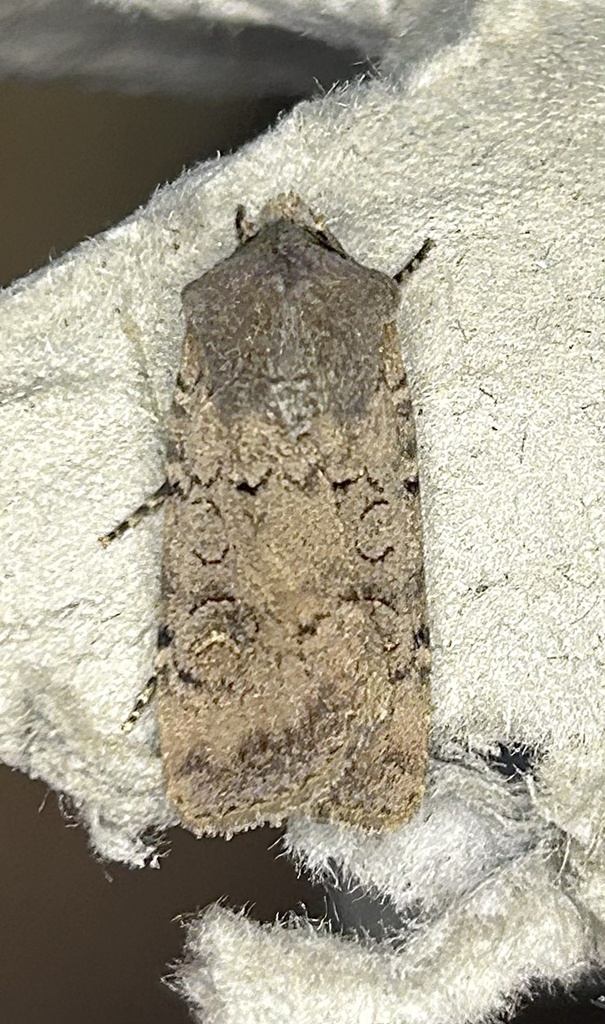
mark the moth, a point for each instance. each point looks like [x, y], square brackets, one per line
[293, 656]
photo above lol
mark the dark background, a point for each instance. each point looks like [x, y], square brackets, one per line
[82, 941]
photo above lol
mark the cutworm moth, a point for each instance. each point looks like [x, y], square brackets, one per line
[292, 662]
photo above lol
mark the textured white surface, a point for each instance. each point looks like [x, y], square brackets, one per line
[472, 823]
[494, 147]
[411, 29]
[132, 47]
[366, 24]
[471, 963]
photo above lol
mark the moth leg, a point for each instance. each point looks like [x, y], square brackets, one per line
[143, 699]
[415, 261]
[152, 503]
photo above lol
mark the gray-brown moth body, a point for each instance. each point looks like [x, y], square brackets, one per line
[293, 655]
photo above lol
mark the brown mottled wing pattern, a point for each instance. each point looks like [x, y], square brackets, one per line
[293, 654]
